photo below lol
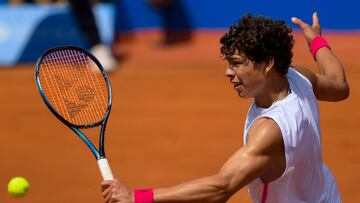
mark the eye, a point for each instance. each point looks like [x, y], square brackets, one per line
[234, 65]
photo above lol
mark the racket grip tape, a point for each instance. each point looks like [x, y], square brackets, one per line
[105, 169]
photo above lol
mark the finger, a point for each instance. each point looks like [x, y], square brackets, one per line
[107, 198]
[316, 22]
[299, 22]
[107, 192]
[104, 187]
[111, 196]
[105, 184]
[114, 194]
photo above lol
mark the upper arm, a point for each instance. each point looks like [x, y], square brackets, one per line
[263, 151]
[325, 88]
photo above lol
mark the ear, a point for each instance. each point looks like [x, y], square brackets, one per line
[269, 64]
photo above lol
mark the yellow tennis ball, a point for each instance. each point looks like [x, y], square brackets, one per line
[18, 187]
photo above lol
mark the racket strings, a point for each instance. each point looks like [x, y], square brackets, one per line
[72, 107]
[74, 86]
[84, 93]
[88, 91]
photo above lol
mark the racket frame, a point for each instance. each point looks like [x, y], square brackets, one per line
[100, 153]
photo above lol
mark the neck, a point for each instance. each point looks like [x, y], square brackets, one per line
[276, 89]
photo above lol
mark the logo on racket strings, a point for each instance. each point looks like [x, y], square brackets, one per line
[76, 97]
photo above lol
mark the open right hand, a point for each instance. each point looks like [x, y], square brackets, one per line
[310, 32]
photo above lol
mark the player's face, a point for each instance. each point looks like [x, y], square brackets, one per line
[247, 77]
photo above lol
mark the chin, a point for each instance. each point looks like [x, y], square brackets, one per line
[243, 96]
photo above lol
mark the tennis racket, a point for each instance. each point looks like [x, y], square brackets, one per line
[76, 89]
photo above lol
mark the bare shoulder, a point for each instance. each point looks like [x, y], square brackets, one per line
[266, 140]
[266, 135]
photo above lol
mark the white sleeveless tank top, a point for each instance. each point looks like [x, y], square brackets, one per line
[306, 179]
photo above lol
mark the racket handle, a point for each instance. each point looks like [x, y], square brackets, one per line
[105, 169]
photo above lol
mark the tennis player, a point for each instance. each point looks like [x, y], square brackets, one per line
[281, 161]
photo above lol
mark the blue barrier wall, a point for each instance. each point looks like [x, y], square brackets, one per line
[28, 30]
[334, 14]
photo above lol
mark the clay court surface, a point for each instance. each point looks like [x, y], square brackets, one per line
[175, 117]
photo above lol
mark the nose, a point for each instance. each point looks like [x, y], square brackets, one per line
[229, 72]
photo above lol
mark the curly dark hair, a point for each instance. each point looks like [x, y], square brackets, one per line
[258, 38]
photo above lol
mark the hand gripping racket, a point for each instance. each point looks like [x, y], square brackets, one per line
[76, 89]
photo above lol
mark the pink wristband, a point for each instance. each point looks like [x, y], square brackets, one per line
[317, 43]
[144, 196]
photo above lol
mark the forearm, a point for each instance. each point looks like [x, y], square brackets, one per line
[330, 84]
[242, 168]
[208, 189]
[329, 65]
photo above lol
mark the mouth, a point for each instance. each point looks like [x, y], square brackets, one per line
[237, 85]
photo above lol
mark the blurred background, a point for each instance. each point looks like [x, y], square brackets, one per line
[175, 116]
[29, 27]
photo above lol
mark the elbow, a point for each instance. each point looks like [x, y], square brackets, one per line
[344, 92]
[340, 92]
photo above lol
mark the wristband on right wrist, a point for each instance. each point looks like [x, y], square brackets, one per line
[144, 196]
[317, 43]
